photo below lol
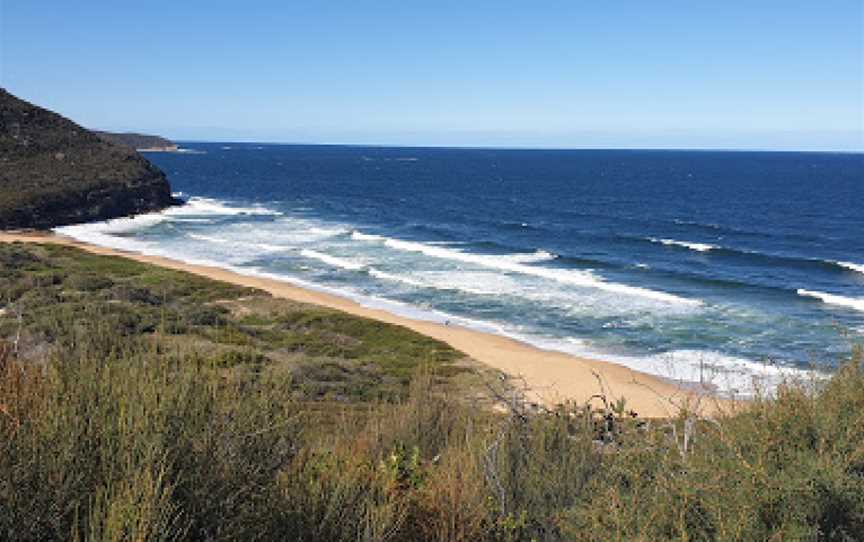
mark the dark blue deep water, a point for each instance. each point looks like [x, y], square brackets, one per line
[663, 260]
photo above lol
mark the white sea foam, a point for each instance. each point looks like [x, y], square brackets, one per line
[208, 206]
[574, 278]
[327, 232]
[332, 260]
[100, 233]
[194, 210]
[396, 278]
[699, 247]
[832, 299]
[208, 238]
[237, 242]
[125, 224]
[485, 283]
[358, 236]
[534, 257]
[853, 266]
[728, 375]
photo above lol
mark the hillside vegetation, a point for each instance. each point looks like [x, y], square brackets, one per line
[138, 141]
[54, 172]
[138, 403]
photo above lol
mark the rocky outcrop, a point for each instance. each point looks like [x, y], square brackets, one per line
[54, 172]
[140, 142]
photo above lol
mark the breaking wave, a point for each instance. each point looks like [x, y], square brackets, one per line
[832, 299]
[698, 247]
[583, 279]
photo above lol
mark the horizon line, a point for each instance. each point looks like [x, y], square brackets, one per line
[518, 148]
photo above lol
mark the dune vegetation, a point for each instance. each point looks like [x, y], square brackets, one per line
[139, 403]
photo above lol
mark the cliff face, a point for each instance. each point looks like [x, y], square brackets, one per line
[54, 172]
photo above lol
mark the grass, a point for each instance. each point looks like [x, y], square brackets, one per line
[113, 431]
[63, 294]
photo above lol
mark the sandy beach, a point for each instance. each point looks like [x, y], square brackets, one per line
[551, 377]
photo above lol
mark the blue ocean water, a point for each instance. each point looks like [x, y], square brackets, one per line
[690, 264]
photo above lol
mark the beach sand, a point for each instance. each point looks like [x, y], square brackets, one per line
[550, 377]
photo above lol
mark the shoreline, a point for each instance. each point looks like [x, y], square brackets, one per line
[551, 377]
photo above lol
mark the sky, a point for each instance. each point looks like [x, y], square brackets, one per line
[749, 74]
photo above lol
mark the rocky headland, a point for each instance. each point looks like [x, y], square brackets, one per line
[55, 172]
[140, 142]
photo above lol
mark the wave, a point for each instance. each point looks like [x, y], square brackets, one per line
[719, 228]
[209, 206]
[100, 233]
[207, 238]
[699, 247]
[236, 242]
[533, 257]
[853, 266]
[327, 231]
[396, 278]
[332, 260]
[773, 258]
[832, 299]
[574, 278]
[358, 236]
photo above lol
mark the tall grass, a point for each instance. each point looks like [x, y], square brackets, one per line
[155, 444]
[140, 436]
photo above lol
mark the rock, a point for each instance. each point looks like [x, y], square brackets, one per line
[54, 172]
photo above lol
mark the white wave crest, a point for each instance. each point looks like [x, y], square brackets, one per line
[534, 257]
[699, 247]
[236, 242]
[207, 238]
[332, 260]
[831, 299]
[853, 266]
[359, 236]
[574, 278]
[396, 278]
[196, 206]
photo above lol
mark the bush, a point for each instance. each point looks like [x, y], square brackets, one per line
[111, 428]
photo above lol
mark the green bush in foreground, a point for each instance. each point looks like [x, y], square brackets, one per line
[142, 415]
[144, 445]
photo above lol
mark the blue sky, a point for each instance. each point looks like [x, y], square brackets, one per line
[734, 74]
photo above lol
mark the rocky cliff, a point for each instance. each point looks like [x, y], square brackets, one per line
[54, 172]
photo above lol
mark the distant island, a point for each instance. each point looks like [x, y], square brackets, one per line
[54, 172]
[139, 142]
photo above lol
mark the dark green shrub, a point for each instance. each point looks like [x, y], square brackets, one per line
[89, 282]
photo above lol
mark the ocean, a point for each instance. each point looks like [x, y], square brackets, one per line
[735, 268]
